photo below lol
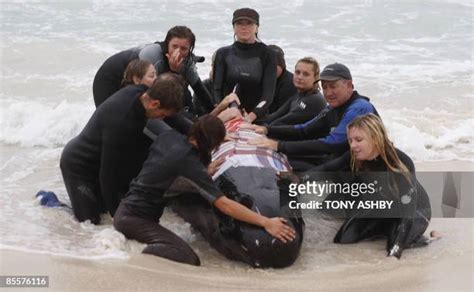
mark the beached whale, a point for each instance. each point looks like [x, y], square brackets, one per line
[249, 176]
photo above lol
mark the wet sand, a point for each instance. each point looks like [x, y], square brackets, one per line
[449, 270]
[445, 265]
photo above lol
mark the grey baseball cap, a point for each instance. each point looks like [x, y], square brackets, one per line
[335, 72]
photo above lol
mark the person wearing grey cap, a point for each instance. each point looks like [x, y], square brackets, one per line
[324, 137]
[284, 88]
[247, 67]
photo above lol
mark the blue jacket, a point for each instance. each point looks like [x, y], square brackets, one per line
[325, 133]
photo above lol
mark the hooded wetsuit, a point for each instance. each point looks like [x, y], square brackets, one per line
[298, 109]
[172, 166]
[284, 90]
[109, 77]
[252, 67]
[324, 134]
[98, 164]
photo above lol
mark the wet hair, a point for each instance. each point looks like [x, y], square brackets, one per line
[136, 68]
[209, 132]
[181, 32]
[373, 126]
[168, 88]
[280, 55]
[316, 69]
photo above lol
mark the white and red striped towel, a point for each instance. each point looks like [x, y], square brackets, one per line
[240, 153]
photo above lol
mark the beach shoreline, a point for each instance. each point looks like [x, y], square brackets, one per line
[451, 270]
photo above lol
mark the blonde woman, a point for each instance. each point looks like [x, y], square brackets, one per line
[373, 159]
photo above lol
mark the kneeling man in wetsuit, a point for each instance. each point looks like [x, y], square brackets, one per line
[98, 165]
[323, 137]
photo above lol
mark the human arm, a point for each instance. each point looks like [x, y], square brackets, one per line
[218, 77]
[197, 173]
[275, 226]
[224, 104]
[268, 86]
[302, 111]
[280, 112]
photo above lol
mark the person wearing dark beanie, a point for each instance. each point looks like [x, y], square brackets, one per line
[247, 67]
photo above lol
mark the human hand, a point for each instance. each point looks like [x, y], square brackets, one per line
[257, 129]
[251, 117]
[229, 114]
[213, 167]
[231, 137]
[229, 99]
[265, 143]
[175, 60]
[277, 228]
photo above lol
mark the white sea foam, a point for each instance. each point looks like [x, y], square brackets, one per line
[30, 123]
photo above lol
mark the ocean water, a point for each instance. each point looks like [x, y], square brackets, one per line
[414, 59]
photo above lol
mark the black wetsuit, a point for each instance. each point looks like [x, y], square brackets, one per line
[98, 164]
[284, 90]
[298, 109]
[109, 76]
[253, 68]
[310, 143]
[406, 221]
[172, 166]
[201, 108]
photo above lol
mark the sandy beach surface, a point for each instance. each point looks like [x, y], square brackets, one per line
[445, 265]
[441, 273]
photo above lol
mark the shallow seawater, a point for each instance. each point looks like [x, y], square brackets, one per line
[413, 59]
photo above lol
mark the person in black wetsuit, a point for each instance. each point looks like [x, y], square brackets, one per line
[177, 163]
[174, 54]
[372, 157]
[324, 136]
[284, 88]
[98, 164]
[200, 108]
[307, 103]
[247, 67]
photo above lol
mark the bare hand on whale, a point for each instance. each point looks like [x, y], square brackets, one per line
[274, 226]
[214, 166]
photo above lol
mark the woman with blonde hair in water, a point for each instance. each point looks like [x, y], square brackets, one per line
[374, 160]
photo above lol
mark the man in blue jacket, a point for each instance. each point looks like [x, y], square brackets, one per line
[323, 137]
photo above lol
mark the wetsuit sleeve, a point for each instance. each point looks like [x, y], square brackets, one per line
[153, 53]
[218, 76]
[189, 72]
[203, 95]
[339, 134]
[196, 172]
[269, 82]
[303, 112]
[280, 112]
[340, 163]
[314, 128]
[308, 147]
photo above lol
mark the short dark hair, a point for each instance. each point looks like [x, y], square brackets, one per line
[209, 132]
[280, 55]
[136, 68]
[168, 88]
[181, 32]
